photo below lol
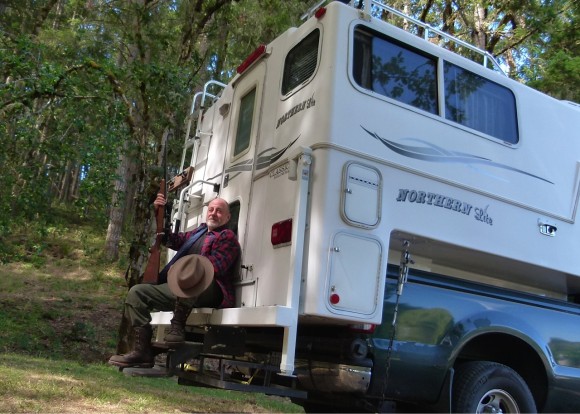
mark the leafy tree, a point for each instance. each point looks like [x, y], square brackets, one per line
[555, 65]
[90, 87]
[516, 32]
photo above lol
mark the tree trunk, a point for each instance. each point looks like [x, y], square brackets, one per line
[65, 183]
[138, 251]
[117, 212]
[480, 27]
[75, 185]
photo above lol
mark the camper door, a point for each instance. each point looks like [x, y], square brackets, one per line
[240, 157]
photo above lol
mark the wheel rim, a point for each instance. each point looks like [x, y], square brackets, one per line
[497, 401]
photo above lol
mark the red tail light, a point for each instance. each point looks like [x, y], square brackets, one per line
[319, 14]
[367, 328]
[281, 233]
[256, 54]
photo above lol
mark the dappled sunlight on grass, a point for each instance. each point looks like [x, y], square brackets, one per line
[63, 269]
[61, 310]
[39, 385]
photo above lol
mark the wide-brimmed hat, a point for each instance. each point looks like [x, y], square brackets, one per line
[190, 275]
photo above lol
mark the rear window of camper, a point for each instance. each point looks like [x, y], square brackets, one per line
[408, 75]
[301, 62]
[478, 103]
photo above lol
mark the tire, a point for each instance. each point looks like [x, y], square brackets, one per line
[489, 387]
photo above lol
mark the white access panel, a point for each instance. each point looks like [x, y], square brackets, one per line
[361, 195]
[354, 274]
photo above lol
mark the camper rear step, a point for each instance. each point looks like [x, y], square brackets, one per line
[228, 374]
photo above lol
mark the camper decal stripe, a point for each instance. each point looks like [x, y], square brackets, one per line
[434, 153]
[265, 160]
[241, 166]
[215, 177]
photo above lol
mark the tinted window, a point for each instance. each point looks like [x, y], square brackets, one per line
[244, 130]
[390, 69]
[301, 62]
[480, 104]
[235, 216]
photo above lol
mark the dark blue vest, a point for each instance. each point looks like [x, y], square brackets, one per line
[183, 251]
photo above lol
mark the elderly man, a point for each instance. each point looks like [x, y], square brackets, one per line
[199, 275]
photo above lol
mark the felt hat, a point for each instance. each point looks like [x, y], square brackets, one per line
[190, 276]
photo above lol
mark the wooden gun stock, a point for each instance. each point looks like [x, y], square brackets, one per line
[180, 180]
[151, 274]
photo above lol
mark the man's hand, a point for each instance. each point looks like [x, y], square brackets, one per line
[160, 200]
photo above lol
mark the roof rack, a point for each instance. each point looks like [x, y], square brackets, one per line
[487, 57]
[367, 6]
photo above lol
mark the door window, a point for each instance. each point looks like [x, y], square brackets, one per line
[244, 131]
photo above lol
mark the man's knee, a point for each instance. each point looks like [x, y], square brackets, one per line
[138, 294]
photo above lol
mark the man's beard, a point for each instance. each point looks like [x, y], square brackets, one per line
[212, 223]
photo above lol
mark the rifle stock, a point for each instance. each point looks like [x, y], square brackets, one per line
[151, 274]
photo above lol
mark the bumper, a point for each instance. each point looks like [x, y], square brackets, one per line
[332, 377]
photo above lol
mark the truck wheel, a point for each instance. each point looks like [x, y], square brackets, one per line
[489, 387]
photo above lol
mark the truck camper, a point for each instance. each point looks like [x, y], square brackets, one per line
[408, 222]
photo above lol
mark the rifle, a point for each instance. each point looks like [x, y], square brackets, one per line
[151, 274]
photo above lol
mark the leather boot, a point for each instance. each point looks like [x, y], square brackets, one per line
[176, 334]
[141, 356]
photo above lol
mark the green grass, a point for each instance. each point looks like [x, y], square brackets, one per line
[60, 309]
[40, 385]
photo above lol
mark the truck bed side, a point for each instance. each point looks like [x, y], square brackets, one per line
[443, 321]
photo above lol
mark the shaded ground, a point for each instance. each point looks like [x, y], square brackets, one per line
[60, 309]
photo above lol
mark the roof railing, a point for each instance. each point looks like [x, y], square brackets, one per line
[367, 6]
[487, 57]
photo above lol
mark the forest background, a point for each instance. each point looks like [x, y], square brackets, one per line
[89, 89]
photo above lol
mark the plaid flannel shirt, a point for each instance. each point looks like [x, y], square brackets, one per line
[222, 249]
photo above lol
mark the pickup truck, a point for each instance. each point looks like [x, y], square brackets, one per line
[460, 346]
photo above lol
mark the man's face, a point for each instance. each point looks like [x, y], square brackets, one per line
[218, 214]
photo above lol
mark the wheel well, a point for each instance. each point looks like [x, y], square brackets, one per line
[513, 352]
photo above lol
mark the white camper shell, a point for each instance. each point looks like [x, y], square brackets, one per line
[344, 138]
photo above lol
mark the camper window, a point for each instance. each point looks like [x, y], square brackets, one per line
[400, 72]
[244, 131]
[301, 62]
[478, 103]
[395, 71]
